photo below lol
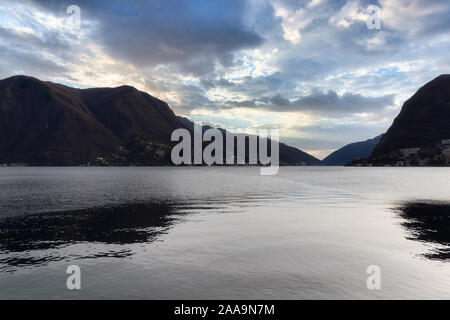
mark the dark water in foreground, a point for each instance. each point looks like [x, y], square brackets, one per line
[224, 233]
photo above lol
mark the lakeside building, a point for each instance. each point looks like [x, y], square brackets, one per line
[437, 155]
[406, 152]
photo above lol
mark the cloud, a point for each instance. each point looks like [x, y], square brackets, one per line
[23, 62]
[353, 11]
[193, 35]
[416, 18]
[298, 17]
[323, 103]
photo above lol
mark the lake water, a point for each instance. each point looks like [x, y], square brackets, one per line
[225, 233]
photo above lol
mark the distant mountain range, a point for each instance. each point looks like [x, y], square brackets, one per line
[423, 123]
[352, 151]
[49, 124]
[288, 155]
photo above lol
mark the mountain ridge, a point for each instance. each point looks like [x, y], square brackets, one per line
[46, 123]
[50, 124]
[288, 155]
[352, 151]
[423, 122]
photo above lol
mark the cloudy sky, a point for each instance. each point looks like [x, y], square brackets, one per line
[311, 68]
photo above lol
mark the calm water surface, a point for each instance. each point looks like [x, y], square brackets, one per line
[225, 233]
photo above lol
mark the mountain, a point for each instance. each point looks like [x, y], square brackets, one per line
[44, 123]
[49, 124]
[357, 150]
[423, 122]
[288, 155]
[294, 156]
[188, 124]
